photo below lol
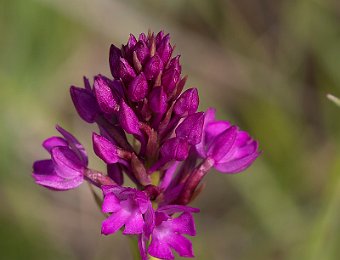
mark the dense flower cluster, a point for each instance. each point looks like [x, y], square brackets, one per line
[149, 131]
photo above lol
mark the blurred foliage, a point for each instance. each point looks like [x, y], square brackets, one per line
[266, 65]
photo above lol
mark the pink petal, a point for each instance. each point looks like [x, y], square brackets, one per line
[56, 182]
[110, 203]
[134, 225]
[215, 128]
[160, 249]
[237, 165]
[54, 141]
[222, 144]
[180, 244]
[67, 163]
[114, 222]
[74, 144]
[184, 224]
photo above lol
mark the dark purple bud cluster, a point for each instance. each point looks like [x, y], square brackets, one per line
[149, 131]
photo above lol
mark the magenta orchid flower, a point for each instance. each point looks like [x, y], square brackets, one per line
[65, 169]
[149, 130]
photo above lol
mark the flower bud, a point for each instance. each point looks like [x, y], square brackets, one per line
[175, 149]
[169, 80]
[142, 37]
[138, 88]
[104, 149]
[85, 103]
[187, 103]
[128, 119]
[126, 72]
[191, 128]
[159, 37]
[153, 67]
[114, 57]
[164, 49]
[107, 100]
[142, 51]
[158, 100]
[131, 43]
[175, 64]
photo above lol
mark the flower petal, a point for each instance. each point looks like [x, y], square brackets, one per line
[114, 222]
[66, 162]
[184, 224]
[160, 249]
[74, 144]
[134, 225]
[58, 183]
[222, 144]
[110, 203]
[237, 165]
[54, 141]
[181, 245]
[43, 167]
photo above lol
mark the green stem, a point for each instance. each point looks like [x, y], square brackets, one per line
[134, 247]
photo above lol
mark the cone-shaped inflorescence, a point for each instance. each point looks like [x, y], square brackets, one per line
[149, 130]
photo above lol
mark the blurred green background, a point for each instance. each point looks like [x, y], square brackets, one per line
[265, 65]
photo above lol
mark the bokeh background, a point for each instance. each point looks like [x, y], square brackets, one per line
[265, 65]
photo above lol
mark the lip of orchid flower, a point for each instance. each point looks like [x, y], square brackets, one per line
[168, 233]
[127, 207]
